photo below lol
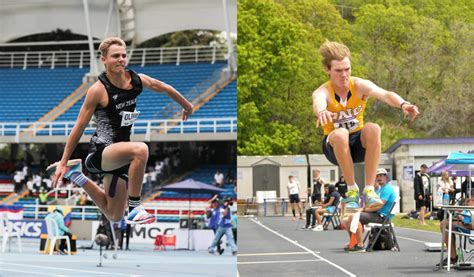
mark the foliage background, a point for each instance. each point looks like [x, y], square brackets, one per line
[423, 50]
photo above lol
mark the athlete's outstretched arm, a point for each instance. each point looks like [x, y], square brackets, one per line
[85, 115]
[159, 86]
[368, 88]
[320, 104]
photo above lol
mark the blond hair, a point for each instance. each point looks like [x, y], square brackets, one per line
[331, 50]
[107, 42]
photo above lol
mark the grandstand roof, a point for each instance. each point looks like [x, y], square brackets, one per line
[151, 18]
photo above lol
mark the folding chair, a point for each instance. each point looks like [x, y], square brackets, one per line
[334, 218]
[386, 225]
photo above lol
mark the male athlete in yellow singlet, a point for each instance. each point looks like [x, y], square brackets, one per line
[339, 105]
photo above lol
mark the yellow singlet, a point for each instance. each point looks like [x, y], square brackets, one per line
[350, 117]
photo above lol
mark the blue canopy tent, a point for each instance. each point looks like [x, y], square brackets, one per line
[459, 170]
[462, 162]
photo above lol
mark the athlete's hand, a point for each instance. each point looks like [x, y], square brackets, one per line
[61, 169]
[325, 117]
[186, 114]
[411, 111]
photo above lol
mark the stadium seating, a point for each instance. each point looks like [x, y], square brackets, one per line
[29, 94]
[189, 79]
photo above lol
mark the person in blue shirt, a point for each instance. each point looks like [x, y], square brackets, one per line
[213, 223]
[224, 227]
[58, 216]
[375, 214]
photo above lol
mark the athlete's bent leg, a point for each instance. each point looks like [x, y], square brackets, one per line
[371, 141]
[121, 154]
[339, 140]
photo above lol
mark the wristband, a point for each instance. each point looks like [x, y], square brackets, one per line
[404, 103]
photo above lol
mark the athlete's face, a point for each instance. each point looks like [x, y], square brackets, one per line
[340, 72]
[116, 59]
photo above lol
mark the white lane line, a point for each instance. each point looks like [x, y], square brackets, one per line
[278, 262]
[28, 272]
[303, 247]
[412, 239]
[410, 229]
[273, 254]
[65, 269]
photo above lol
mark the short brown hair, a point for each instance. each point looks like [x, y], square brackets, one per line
[331, 50]
[107, 42]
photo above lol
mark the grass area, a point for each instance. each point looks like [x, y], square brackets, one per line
[431, 225]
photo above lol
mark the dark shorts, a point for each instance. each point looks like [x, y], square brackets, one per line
[355, 146]
[93, 164]
[294, 198]
[423, 202]
[366, 218]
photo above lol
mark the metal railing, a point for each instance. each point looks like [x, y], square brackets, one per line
[147, 127]
[40, 211]
[138, 56]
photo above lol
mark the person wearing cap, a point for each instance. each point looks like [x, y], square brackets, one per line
[373, 214]
[423, 195]
[214, 220]
[224, 228]
[58, 216]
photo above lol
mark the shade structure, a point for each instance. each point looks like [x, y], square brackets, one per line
[191, 186]
[462, 162]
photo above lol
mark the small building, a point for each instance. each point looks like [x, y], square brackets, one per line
[270, 173]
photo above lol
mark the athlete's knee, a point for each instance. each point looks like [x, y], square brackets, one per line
[372, 128]
[140, 150]
[338, 136]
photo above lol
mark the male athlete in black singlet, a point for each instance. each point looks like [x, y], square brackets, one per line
[112, 100]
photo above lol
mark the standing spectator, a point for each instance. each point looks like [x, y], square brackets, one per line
[423, 195]
[18, 178]
[225, 227]
[446, 185]
[213, 223]
[219, 179]
[318, 182]
[294, 194]
[341, 186]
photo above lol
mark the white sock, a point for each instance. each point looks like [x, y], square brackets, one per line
[369, 187]
[353, 186]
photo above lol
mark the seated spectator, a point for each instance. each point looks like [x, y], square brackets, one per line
[330, 204]
[311, 212]
[58, 216]
[373, 214]
[219, 179]
[461, 224]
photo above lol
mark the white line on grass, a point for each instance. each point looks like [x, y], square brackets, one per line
[65, 269]
[303, 247]
[274, 254]
[278, 262]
